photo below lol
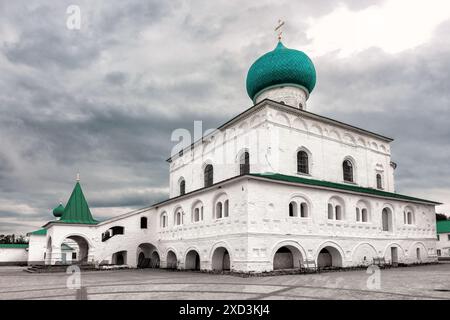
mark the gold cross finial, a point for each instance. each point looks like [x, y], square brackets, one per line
[278, 29]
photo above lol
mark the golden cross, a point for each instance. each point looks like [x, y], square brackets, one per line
[278, 28]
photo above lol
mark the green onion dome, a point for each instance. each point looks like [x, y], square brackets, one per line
[58, 211]
[281, 67]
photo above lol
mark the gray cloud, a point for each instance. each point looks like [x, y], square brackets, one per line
[104, 100]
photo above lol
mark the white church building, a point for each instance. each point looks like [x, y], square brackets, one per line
[272, 188]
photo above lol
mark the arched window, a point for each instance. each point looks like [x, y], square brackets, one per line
[302, 162]
[338, 212]
[219, 210]
[303, 210]
[358, 215]
[244, 163]
[182, 187]
[386, 219]
[362, 211]
[209, 175]
[225, 207]
[347, 168]
[293, 209]
[143, 222]
[178, 217]
[364, 215]
[379, 181]
[330, 211]
[197, 212]
[164, 221]
[408, 216]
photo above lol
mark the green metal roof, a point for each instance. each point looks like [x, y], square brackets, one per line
[340, 186]
[66, 247]
[282, 66]
[40, 232]
[13, 245]
[77, 209]
[443, 226]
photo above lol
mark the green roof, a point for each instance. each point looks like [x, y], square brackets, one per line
[340, 186]
[282, 66]
[13, 245]
[66, 247]
[443, 226]
[40, 232]
[77, 209]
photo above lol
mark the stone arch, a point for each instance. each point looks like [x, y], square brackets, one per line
[316, 129]
[84, 248]
[338, 208]
[147, 256]
[334, 134]
[363, 253]
[330, 255]
[413, 254]
[220, 259]
[388, 254]
[349, 138]
[171, 260]
[300, 198]
[221, 197]
[374, 145]
[291, 256]
[390, 216]
[361, 142]
[192, 259]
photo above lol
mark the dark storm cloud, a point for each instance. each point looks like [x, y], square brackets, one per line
[104, 100]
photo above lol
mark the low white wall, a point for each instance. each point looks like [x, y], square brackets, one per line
[13, 256]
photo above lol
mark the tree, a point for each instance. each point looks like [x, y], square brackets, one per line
[441, 217]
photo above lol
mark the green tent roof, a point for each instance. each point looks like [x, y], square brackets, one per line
[13, 245]
[443, 226]
[340, 186]
[40, 232]
[77, 209]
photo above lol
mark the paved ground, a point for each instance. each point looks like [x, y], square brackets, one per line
[423, 282]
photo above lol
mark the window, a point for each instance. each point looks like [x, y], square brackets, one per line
[364, 215]
[244, 164]
[74, 256]
[448, 237]
[143, 222]
[182, 187]
[197, 212]
[358, 215]
[438, 238]
[408, 216]
[111, 232]
[302, 162]
[379, 181]
[178, 217]
[298, 208]
[330, 211]
[292, 209]
[209, 175]
[221, 207]
[164, 220]
[386, 219]
[362, 211]
[336, 209]
[347, 167]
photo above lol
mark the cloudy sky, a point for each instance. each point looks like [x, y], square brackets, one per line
[104, 99]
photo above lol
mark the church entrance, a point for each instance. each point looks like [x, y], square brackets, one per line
[192, 260]
[74, 250]
[221, 259]
[328, 258]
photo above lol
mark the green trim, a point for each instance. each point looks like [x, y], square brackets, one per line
[77, 209]
[40, 232]
[13, 245]
[443, 226]
[340, 186]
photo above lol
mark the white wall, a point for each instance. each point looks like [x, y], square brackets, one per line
[37, 248]
[13, 255]
[444, 244]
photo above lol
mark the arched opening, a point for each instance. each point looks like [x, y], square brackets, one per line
[144, 223]
[347, 167]
[293, 212]
[386, 219]
[418, 256]
[328, 258]
[287, 257]
[302, 162]
[172, 262]
[182, 187]
[209, 175]
[379, 181]
[244, 163]
[147, 256]
[74, 250]
[192, 260]
[220, 259]
[119, 258]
